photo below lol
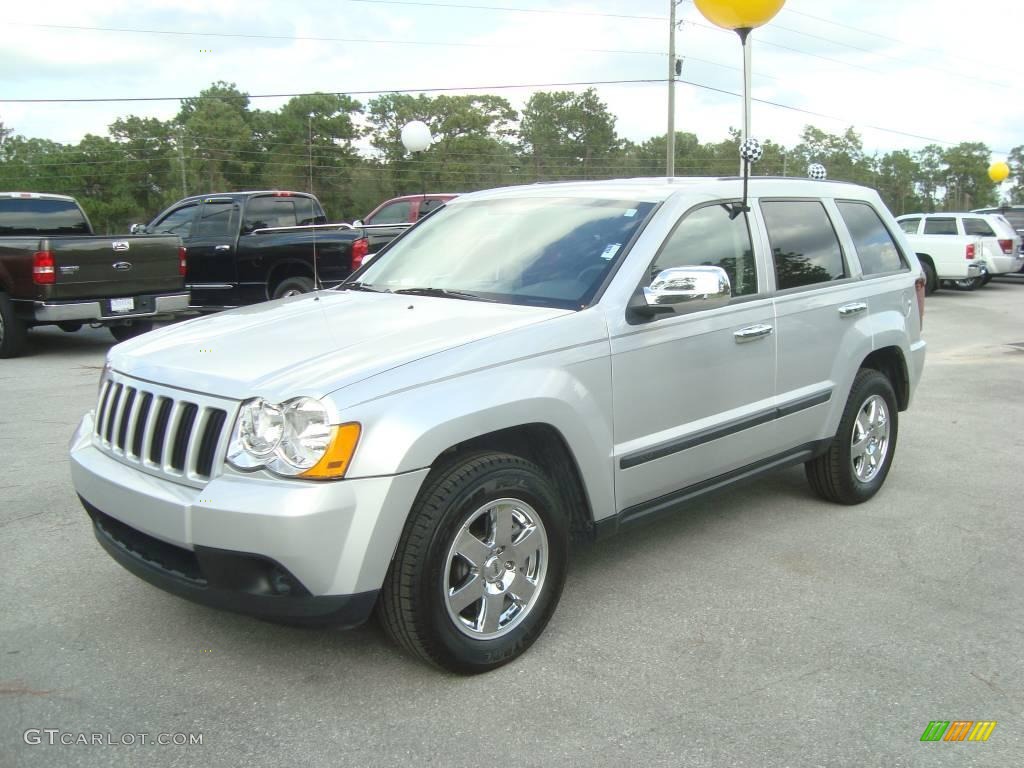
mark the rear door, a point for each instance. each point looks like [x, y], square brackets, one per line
[822, 312]
[212, 272]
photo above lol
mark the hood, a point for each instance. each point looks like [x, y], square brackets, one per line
[311, 345]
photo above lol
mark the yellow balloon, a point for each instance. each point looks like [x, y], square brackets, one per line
[998, 172]
[738, 14]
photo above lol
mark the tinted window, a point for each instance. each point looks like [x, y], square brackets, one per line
[543, 251]
[909, 225]
[177, 222]
[709, 237]
[396, 213]
[939, 226]
[875, 247]
[804, 244]
[281, 211]
[34, 216]
[216, 220]
[978, 227]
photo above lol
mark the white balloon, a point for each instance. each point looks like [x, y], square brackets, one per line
[416, 136]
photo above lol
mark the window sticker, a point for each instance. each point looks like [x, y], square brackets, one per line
[610, 251]
[630, 213]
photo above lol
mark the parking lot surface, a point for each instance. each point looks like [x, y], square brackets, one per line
[761, 627]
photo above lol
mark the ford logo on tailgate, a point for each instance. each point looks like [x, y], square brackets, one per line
[122, 266]
[121, 245]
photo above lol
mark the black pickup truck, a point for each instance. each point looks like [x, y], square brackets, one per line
[247, 247]
[55, 271]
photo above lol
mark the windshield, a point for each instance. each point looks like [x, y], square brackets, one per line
[544, 251]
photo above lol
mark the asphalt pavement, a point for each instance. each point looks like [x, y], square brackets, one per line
[762, 627]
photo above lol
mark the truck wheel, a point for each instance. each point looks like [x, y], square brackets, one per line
[855, 465]
[125, 332]
[931, 281]
[293, 286]
[12, 329]
[69, 327]
[480, 565]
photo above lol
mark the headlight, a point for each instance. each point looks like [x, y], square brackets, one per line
[294, 438]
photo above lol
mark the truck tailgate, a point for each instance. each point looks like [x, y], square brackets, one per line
[103, 267]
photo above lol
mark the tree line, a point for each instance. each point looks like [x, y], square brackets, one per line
[351, 156]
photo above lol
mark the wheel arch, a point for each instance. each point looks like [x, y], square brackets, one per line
[891, 362]
[284, 270]
[544, 445]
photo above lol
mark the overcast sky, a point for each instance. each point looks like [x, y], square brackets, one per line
[940, 70]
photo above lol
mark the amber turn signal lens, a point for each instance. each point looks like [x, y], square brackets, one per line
[338, 456]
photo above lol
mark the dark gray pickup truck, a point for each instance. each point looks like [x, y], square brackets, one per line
[247, 247]
[55, 271]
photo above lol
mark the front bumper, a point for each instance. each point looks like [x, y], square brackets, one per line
[249, 543]
[97, 310]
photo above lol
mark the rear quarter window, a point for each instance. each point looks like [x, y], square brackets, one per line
[978, 227]
[876, 250]
[39, 217]
[805, 248]
[909, 225]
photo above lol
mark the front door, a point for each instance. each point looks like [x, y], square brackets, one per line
[693, 392]
[212, 271]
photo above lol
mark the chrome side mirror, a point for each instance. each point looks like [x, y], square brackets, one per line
[680, 290]
[137, 229]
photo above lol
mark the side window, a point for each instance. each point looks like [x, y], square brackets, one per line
[936, 225]
[909, 225]
[269, 211]
[177, 222]
[805, 247]
[396, 213]
[215, 220]
[875, 247]
[709, 237]
[978, 227]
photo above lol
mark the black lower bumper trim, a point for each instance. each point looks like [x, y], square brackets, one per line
[233, 581]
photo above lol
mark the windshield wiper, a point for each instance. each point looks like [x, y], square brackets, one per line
[444, 293]
[357, 286]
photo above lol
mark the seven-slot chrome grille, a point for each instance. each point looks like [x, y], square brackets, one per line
[171, 433]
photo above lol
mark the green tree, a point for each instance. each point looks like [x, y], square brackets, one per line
[568, 135]
[219, 143]
[898, 174]
[1016, 163]
[967, 182]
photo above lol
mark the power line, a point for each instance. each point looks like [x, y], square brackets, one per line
[505, 9]
[375, 92]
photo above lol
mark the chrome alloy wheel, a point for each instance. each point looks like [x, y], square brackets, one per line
[291, 292]
[495, 569]
[869, 444]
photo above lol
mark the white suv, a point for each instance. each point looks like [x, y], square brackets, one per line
[1001, 245]
[524, 366]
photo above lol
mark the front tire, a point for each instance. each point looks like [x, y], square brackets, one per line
[857, 461]
[12, 329]
[480, 565]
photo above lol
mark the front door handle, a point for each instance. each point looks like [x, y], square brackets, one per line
[752, 333]
[222, 248]
[853, 309]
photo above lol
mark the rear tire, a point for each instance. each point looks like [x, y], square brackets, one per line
[293, 286]
[931, 280]
[69, 327]
[125, 332]
[857, 461]
[480, 565]
[12, 329]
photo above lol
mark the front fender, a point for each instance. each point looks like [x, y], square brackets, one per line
[408, 430]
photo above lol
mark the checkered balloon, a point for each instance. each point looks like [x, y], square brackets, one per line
[817, 172]
[751, 150]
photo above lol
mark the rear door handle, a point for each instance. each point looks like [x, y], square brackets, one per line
[222, 248]
[752, 333]
[853, 309]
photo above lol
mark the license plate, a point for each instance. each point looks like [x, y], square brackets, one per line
[122, 305]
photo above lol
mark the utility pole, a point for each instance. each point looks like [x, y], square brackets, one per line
[310, 153]
[181, 161]
[670, 143]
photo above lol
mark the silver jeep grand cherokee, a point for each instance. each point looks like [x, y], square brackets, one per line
[524, 367]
